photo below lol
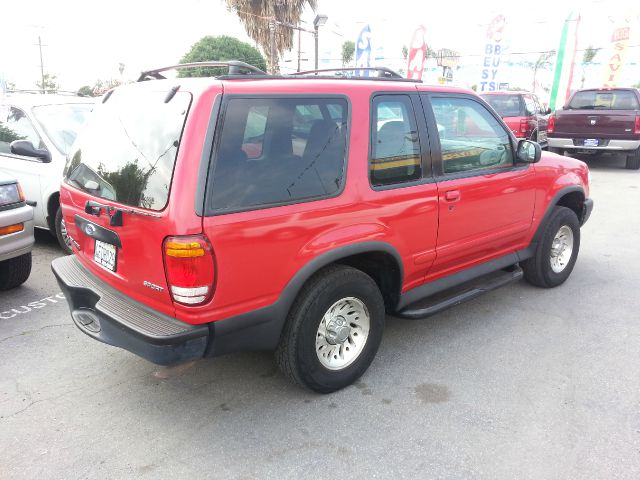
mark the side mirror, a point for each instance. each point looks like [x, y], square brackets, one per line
[26, 149]
[528, 151]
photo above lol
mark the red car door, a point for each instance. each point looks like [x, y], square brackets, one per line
[486, 198]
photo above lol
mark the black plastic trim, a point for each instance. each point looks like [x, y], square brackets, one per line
[206, 156]
[11, 206]
[464, 276]
[260, 329]
[98, 232]
[552, 204]
[586, 210]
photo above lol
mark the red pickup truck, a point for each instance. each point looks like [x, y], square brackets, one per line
[605, 120]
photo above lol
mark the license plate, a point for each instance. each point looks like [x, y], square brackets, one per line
[591, 142]
[106, 255]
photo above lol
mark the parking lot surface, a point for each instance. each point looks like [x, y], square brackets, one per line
[520, 383]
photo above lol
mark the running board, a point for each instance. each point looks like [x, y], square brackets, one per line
[467, 291]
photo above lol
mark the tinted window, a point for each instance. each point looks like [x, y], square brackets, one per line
[62, 122]
[605, 100]
[16, 126]
[470, 137]
[505, 105]
[288, 150]
[395, 148]
[128, 149]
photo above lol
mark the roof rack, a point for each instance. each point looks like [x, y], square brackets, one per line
[235, 68]
[382, 72]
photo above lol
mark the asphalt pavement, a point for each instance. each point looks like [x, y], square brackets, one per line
[521, 383]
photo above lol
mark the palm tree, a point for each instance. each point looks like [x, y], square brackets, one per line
[256, 15]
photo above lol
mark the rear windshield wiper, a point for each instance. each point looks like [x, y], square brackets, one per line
[114, 213]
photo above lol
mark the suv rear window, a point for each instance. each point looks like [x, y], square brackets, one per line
[604, 100]
[274, 151]
[128, 149]
[506, 105]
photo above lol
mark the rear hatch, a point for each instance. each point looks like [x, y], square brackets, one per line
[511, 108]
[117, 184]
[598, 114]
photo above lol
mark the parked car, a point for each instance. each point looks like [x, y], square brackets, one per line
[523, 113]
[188, 243]
[16, 234]
[604, 120]
[36, 132]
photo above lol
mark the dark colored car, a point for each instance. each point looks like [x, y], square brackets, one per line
[605, 120]
[291, 213]
[523, 113]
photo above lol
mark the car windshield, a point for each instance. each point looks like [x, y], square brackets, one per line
[604, 100]
[505, 105]
[61, 122]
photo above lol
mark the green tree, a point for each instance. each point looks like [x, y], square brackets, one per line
[210, 48]
[587, 58]
[85, 91]
[544, 61]
[256, 14]
[348, 49]
[48, 84]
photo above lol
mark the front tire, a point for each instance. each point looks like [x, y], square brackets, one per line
[633, 161]
[15, 271]
[61, 233]
[557, 250]
[333, 330]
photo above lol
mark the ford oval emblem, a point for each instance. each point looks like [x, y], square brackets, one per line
[90, 229]
[593, 121]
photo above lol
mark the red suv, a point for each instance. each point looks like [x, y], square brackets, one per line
[523, 113]
[251, 212]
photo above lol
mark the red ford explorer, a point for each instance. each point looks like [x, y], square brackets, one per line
[251, 212]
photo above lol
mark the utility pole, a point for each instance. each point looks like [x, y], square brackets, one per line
[41, 64]
[299, 31]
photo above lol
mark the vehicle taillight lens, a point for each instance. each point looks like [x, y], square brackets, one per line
[524, 127]
[189, 266]
[636, 127]
[551, 124]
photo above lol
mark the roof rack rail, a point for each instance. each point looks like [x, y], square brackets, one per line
[382, 72]
[235, 68]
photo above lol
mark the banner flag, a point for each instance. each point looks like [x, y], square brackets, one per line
[563, 73]
[363, 51]
[417, 54]
[494, 47]
[616, 54]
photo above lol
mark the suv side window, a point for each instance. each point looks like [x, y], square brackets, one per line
[275, 151]
[470, 137]
[17, 127]
[395, 147]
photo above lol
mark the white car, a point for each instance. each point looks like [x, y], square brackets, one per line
[36, 132]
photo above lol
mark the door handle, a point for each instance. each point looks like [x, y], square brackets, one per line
[452, 195]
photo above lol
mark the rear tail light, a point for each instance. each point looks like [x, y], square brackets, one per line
[636, 126]
[551, 125]
[524, 127]
[189, 267]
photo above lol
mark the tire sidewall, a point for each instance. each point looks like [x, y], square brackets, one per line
[361, 287]
[562, 217]
[57, 223]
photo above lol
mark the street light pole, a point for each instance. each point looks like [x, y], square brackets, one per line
[272, 41]
[315, 37]
[319, 21]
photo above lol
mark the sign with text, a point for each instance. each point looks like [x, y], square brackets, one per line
[417, 54]
[614, 61]
[492, 55]
[363, 51]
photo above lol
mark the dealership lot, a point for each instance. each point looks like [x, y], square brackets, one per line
[520, 383]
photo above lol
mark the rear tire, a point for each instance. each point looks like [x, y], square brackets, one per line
[335, 294]
[557, 250]
[633, 161]
[61, 233]
[15, 271]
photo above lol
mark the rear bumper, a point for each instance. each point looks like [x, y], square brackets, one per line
[111, 317]
[567, 144]
[19, 243]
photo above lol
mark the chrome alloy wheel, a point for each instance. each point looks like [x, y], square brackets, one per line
[561, 249]
[342, 333]
[63, 233]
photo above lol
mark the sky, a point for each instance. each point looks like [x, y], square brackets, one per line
[87, 40]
